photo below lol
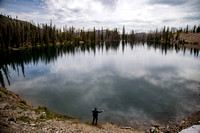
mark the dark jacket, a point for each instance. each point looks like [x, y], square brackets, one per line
[95, 113]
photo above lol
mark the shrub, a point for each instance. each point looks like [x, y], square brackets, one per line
[5, 92]
[23, 102]
[24, 118]
[42, 117]
[75, 122]
[88, 123]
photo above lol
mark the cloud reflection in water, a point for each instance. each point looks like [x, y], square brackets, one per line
[134, 84]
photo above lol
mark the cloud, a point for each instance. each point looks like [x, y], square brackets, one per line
[191, 18]
[169, 2]
[109, 2]
[168, 20]
[143, 15]
[138, 84]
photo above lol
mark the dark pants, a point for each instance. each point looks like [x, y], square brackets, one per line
[94, 118]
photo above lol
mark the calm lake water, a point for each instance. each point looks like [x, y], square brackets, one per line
[133, 83]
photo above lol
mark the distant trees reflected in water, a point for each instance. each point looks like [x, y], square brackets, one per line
[17, 59]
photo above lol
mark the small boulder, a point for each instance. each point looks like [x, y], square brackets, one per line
[11, 119]
[156, 125]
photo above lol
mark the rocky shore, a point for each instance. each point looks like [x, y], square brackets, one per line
[16, 115]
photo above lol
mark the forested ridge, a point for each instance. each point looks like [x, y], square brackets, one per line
[16, 33]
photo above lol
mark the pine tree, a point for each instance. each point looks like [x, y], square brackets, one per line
[164, 35]
[22, 34]
[177, 36]
[107, 34]
[46, 36]
[39, 35]
[88, 36]
[132, 35]
[8, 37]
[94, 34]
[53, 35]
[198, 29]
[187, 29]
[17, 35]
[194, 29]
[102, 34]
[123, 33]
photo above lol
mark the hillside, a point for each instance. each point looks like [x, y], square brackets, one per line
[16, 33]
[192, 40]
[6, 20]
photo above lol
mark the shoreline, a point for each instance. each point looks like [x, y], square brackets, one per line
[16, 115]
[19, 116]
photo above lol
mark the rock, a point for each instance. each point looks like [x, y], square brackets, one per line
[125, 127]
[156, 125]
[152, 130]
[167, 127]
[6, 107]
[155, 129]
[11, 119]
[5, 125]
[45, 129]
[182, 122]
[81, 42]
[32, 124]
[44, 113]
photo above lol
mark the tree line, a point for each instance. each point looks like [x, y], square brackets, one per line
[171, 35]
[15, 33]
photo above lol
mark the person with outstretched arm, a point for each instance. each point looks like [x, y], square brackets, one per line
[95, 115]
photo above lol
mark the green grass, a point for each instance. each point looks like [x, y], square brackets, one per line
[5, 91]
[64, 116]
[23, 102]
[50, 115]
[40, 109]
[24, 119]
[13, 108]
[42, 117]
[88, 123]
[110, 123]
[75, 122]
[0, 95]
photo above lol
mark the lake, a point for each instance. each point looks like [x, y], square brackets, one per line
[135, 83]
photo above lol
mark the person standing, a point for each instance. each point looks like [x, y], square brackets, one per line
[95, 115]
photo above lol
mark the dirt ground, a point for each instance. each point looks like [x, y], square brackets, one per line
[192, 40]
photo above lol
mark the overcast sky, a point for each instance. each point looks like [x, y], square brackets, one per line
[139, 15]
